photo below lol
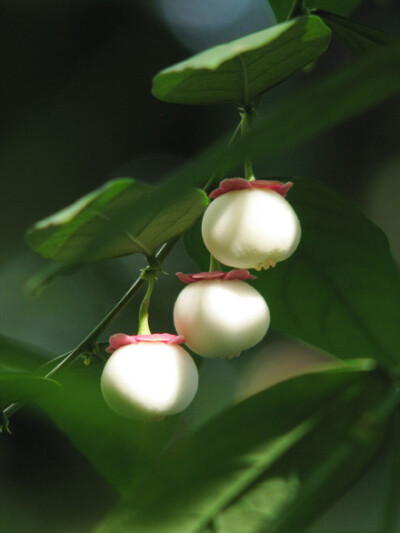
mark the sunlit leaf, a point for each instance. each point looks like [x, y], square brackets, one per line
[296, 119]
[263, 439]
[76, 233]
[242, 69]
[310, 477]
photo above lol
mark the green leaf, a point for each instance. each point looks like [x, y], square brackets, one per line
[46, 275]
[20, 356]
[305, 483]
[359, 38]
[341, 7]
[122, 450]
[15, 387]
[195, 248]
[273, 437]
[282, 8]
[331, 101]
[340, 291]
[240, 70]
[76, 233]
[298, 118]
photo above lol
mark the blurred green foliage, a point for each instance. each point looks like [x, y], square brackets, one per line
[77, 110]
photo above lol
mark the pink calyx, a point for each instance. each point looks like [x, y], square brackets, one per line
[121, 339]
[238, 184]
[240, 274]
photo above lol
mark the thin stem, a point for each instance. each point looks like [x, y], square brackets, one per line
[298, 8]
[214, 264]
[16, 406]
[7, 414]
[88, 343]
[39, 371]
[245, 124]
[210, 184]
[236, 132]
[144, 328]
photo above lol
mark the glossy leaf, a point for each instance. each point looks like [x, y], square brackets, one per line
[328, 103]
[240, 70]
[76, 233]
[298, 118]
[248, 445]
[15, 387]
[359, 38]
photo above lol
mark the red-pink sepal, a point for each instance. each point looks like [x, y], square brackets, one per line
[240, 274]
[120, 339]
[238, 184]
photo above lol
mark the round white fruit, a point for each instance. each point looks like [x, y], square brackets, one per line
[149, 380]
[251, 228]
[220, 318]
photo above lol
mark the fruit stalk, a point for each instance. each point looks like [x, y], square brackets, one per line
[245, 123]
[144, 328]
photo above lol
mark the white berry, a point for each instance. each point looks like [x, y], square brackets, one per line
[220, 318]
[149, 380]
[251, 228]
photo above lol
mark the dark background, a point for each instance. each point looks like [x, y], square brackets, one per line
[76, 110]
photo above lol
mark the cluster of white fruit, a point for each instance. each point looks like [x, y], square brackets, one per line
[248, 225]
